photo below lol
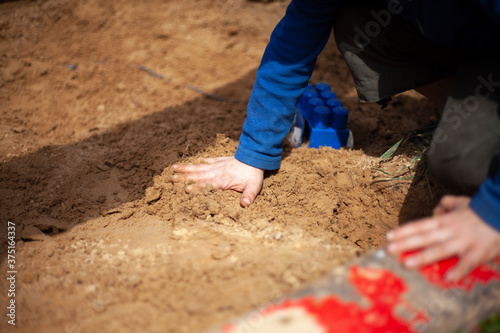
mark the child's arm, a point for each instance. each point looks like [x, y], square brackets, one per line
[282, 77]
[285, 69]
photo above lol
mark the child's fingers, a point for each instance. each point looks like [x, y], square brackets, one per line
[207, 165]
[447, 203]
[433, 254]
[421, 240]
[250, 193]
[465, 265]
[211, 160]
[204, 177]
[413, 228]
[450, 203]
[438, 211]
[191, 168]
[195, 187]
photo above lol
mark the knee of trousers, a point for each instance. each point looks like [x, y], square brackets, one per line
[457, 171]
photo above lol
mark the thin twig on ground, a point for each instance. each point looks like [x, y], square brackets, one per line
[150, 71]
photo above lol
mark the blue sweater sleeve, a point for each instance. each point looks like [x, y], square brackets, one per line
[282, 77]
[486, 202]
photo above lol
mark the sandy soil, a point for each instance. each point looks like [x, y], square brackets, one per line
[105, 242]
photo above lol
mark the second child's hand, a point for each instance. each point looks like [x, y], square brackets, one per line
[225, 173]
[454, 230]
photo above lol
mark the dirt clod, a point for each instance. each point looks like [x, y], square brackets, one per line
[32, 233]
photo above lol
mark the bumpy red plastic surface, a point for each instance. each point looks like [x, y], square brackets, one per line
[436, 273]
[381, 288]
[383, 291]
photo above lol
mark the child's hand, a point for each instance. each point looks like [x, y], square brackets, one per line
[454, 230]
[226, 173]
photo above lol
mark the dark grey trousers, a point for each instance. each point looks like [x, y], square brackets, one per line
[386, 56]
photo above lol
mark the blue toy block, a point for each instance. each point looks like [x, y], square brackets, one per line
[324, 116]
[328, 138]
[320, 87]
[328, 94]
[321, 117]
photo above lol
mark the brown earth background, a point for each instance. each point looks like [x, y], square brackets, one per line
[105, 242]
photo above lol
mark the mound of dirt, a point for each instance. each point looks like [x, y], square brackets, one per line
[104, 241]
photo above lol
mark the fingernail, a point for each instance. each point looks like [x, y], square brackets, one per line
[189, 188]
[410, 262]
[175, 166]
[391, 248]
[390, 235]
[246, 201]
[175, 176]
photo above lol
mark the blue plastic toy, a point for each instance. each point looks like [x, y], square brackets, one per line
[321, 120]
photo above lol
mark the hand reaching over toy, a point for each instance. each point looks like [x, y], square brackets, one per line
[454, 230]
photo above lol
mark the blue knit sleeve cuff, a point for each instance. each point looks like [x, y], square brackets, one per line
[486, 202]
[257, 160]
